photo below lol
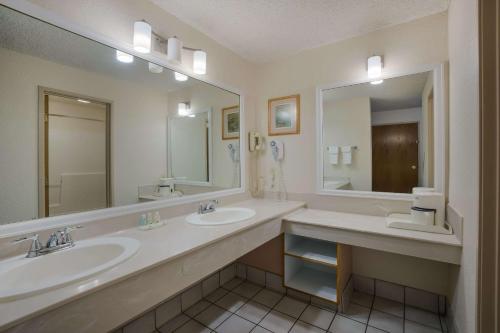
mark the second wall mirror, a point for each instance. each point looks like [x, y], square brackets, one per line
[383, 136]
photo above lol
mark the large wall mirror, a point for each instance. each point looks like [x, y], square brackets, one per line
[85, 127]
[384, 136]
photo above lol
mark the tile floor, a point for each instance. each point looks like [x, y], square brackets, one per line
[240, 306]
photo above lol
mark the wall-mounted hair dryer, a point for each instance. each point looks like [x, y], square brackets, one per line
[234, 151]
[278, 150]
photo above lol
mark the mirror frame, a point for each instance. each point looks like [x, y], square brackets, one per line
[36, 225]
[440, 134]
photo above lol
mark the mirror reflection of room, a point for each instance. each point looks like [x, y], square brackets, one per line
[379, 137]
[102, 128]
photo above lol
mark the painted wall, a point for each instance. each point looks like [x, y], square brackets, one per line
[464, 154]
[347, 123]
[132, 146]
[409, 45]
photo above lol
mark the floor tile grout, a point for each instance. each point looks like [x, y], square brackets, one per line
[296, 320]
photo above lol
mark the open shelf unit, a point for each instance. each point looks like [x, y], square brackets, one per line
[316, 267]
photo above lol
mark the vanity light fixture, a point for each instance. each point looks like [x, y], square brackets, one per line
[374, 67]
[142, 36]
[200, 62]
[154, 68]
[124, 57]
[183, 109]
[180, 77]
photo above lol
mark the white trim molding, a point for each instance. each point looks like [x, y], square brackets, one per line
[440, 134]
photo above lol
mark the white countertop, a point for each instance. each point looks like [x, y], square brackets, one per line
[158, 246]
[366, 224]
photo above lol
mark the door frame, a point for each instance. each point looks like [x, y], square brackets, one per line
[43, 158]
[488, 288]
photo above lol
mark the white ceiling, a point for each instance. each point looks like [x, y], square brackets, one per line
[398, 93]
[266, 30]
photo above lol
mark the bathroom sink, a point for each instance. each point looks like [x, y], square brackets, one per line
[225, 215]
[22, 277]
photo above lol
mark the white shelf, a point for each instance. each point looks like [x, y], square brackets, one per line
[315, 282]
[314, 250]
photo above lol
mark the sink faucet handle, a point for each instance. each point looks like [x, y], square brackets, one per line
[35, 245]
[65, 234]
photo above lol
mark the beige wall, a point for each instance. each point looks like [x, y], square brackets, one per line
[348, 123]
[405, 46]
[464, 154]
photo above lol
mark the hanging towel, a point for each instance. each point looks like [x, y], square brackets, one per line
[347, 155]
[333, 154]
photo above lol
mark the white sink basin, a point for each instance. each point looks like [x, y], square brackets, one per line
[225, 215]
[22, 277]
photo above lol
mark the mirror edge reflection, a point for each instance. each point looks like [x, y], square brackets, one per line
[15, 228]
[440, 132]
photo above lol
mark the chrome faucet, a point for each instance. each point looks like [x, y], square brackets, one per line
[207, 207]
[57, 241]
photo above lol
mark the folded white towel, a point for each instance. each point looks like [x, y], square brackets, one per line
[346, 155]
[333, 154]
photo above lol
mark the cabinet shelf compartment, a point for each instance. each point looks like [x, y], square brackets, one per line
[311, 278]
[309, 249]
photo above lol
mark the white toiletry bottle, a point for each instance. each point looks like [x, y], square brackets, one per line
[150, 218]
[143, 220]
[157, 217]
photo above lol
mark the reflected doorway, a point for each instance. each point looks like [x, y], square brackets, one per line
[74, 154]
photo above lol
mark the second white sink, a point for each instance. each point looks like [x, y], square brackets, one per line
[225, 215]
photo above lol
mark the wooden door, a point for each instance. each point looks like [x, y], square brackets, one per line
[395, 158]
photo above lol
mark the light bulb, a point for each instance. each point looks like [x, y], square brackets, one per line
[154, 68]
[376, 82]
[142, 37]
[174, 50]
[180, 77]
[200, 62]
[374, 67]
[183, 109]
[124, 57]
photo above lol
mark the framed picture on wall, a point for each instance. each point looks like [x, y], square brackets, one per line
[231, 122]
[284, 115]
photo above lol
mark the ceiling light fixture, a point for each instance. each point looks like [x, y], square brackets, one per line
[180, 77]
[183, 109]
[84, 101]
[374, 68]
[142, 36]
[154, 68]
[124, 57]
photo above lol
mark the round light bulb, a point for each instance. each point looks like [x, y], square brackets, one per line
[180, 77]
[124, 57]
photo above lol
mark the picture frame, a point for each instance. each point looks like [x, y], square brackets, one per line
[231, 122]
[284, 115]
